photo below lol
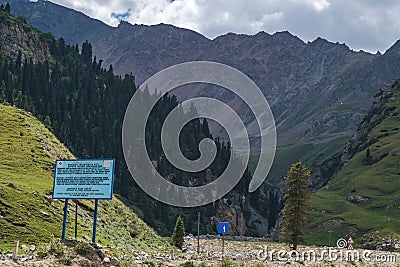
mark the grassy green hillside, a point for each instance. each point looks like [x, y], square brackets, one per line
[310, 151]
[27, 212]
[376, 180]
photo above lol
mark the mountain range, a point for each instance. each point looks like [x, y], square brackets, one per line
[319, 91]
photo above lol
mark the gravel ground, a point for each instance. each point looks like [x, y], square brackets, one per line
[239, 252]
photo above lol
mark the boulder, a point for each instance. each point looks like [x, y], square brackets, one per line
[100, 253]
[358, 199]
[114, 261]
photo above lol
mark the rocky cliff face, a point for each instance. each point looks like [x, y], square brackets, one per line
[19, 37]
[233, 214]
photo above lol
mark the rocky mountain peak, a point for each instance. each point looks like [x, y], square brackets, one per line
[123, 24]
[394, 49]
[286, 37]
[321, 43]
[262, 33]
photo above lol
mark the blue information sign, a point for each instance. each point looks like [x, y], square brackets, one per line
[84, 179]
[223, 227]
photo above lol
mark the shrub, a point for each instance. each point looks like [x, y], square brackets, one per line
[226, 263]
[65, 260]
[81, 248]
[54, 247]
[150, 263]
[187, 264]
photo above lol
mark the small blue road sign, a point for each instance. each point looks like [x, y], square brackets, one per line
[223, 227]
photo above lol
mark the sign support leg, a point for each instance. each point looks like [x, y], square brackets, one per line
[76, 219]
[223, 245]
[64, 229]
[198, 232]
[96, 205]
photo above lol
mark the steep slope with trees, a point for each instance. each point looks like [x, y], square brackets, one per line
[84, 105]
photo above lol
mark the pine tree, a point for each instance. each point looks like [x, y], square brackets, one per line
[296, 206]
[7, 8]
[179, 233]
[87, 52]
[47, 123]
[19, 100]
[368, 154]
[368, 160]
[3, 92]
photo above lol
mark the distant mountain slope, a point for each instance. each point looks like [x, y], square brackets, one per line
[363, 196]
[306, 79]
[73, 33]
[292, 74]
[27, 212]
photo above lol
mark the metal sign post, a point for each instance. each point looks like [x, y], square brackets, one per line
[64, 229]
[198, 232]
[76, 220]
[83, 179]
[223, 245]
[96, 206]
[223, 228]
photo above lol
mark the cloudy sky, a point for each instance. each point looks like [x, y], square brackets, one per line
[362, 24]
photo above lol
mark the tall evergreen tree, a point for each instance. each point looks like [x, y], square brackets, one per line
[7, 8]
[179, 233]
[3, 92]
[368, 160]
[47, 123]
[87, 52]
[296, 205]
[368, 154]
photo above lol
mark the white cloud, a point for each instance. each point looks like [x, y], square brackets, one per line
[368, 25]
[318, 5]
